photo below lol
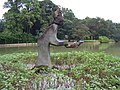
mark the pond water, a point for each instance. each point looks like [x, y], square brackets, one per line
[111, 48]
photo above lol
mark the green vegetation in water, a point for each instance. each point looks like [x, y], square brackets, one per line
[104, 46]
[87, 70]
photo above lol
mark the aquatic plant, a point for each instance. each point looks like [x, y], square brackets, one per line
[72, 71]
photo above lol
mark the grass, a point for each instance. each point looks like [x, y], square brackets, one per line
[91, 41]
[88, 71]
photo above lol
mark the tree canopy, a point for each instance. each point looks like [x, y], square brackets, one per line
[25, 19]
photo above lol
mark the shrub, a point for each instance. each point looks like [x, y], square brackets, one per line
[7, 37]
[103, 39]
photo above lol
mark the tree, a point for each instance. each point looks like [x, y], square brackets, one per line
[1, 25]
[33, 16]
[27, 16]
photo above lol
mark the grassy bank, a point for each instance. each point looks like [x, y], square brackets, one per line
[91, 41]
[89, 71]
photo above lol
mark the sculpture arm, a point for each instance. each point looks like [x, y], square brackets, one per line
[56, 42]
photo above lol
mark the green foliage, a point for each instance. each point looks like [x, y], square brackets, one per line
[104, 39]
[1, 25]
[13, 74]
[32, 17]
[8, 37]
[93, 70]
[26, 17]
[96, 70]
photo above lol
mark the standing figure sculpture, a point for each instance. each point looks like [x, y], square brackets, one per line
[50, 37]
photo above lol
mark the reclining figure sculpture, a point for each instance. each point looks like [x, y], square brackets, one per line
[50, 37]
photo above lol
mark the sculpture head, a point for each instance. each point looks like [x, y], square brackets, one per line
[58, 17]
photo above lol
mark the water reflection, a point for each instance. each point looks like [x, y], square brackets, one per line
[111, 48]
[8, 50]
[114, 50]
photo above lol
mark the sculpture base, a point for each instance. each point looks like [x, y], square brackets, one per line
[42, 69]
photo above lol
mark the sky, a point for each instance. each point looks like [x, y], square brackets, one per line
[107, 9]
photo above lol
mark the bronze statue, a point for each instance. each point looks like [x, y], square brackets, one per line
[50, 37]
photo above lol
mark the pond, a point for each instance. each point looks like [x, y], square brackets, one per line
[111, 48]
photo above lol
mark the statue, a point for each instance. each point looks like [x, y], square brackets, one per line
[50, 37]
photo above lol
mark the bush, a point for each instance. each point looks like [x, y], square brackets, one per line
[7, 37]
[103, 39]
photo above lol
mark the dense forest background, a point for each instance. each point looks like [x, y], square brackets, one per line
[26, 19]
